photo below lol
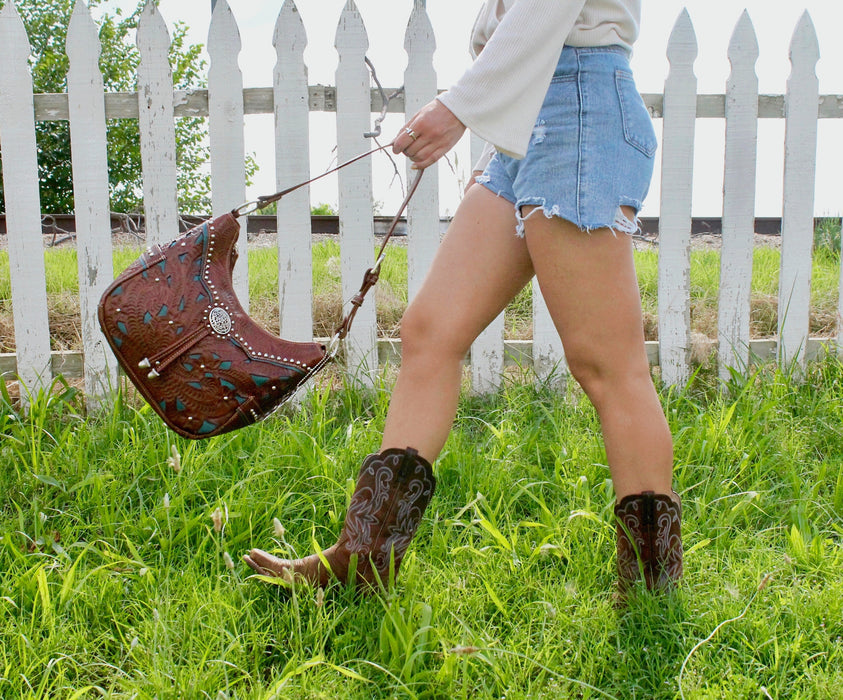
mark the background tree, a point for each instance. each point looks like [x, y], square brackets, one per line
[46, 23]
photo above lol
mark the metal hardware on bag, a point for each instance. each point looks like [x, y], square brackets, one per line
[219, 320]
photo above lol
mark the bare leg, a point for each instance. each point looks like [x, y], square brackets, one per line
[588, 281]
[479, 267]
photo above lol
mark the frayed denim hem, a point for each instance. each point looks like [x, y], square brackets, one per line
[621, 223]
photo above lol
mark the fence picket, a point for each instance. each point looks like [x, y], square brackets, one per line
[86, 106]
[225, 132]
[800, 161]
[157, 128]
[23, 204]
[487, 351]
[292, 159]
[548, 353]
[680, 111]
[419, 89]
[738, 200]
[355, 187]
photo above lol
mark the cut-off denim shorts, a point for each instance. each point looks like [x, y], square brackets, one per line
[591, 150]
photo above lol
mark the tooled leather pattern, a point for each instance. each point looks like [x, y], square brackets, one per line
[225, 379]
[393, 491]
[649, 527]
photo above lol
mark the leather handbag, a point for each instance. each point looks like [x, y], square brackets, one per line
[181, 336]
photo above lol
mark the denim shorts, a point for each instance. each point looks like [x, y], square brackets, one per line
[591, 150]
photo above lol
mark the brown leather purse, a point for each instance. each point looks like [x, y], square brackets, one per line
[178, 331]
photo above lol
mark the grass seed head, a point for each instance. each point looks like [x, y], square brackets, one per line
[175, 460]
[278, 528]
[216, 517]
[229, 562]
[464, 651]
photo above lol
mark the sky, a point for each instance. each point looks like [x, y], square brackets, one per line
[713, 20]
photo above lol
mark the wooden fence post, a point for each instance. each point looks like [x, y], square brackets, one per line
[86, 106]
[225, 131]
[548, 353]
[800, 162]
[23, 205]
[419, 89]
[738, 200]
[355, 188]
[157, 127]
[292, 165]
[680, 113]
[487, 351]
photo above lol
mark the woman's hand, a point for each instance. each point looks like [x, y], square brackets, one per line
[429, 135]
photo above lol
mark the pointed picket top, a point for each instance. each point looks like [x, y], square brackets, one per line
[223, 34]
[804, 44]
[800, 163]
[14, 43]
[740, 159]
[682, 44]
[743, 45]
[289, 34]
[419, 39]
[152, 34]
[83, 45]
[351, 31]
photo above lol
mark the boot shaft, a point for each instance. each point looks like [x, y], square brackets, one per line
[649, 541]
[392, 493]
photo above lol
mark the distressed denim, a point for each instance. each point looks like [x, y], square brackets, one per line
[592, 147]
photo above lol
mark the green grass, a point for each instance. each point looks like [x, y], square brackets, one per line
[114, 581]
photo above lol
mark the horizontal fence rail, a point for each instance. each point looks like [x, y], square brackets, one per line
[225, 103]
[323, 98]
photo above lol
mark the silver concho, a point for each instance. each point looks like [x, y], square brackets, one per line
[220, 320]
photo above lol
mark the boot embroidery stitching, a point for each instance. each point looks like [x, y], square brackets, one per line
[363, 511]
[409, 512]
[649, 538]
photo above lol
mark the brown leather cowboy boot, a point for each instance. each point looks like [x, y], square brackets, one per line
[649, 541]
[392, 492]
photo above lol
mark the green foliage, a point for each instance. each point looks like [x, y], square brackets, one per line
[323, 209]
[827, 235]
[46, 22]
[116, 581]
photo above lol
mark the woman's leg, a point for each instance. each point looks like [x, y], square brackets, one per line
[588, 281]
[479, 267]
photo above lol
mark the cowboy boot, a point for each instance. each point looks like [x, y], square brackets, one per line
[392, 492]
[649, 541]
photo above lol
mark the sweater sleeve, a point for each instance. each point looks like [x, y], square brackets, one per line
[500, 95]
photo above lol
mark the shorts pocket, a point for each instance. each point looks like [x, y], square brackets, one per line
[637, 125]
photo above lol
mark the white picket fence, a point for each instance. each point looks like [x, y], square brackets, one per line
[291, 99]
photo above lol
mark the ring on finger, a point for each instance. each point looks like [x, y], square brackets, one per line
[412, 134]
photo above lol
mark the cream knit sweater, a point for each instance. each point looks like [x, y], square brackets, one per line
[517, 45]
